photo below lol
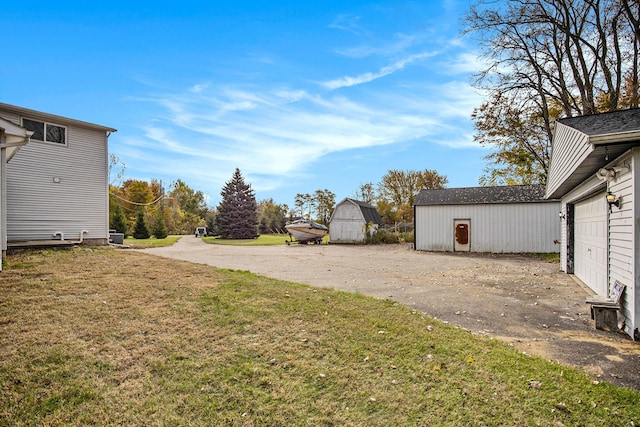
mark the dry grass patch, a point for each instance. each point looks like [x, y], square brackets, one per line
[109, 337]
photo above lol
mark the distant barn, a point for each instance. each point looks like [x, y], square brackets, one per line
[507, 219]
[349, 221]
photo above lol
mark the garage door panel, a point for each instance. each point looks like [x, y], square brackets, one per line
[590, 243]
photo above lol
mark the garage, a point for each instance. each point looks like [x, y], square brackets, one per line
[590, 242]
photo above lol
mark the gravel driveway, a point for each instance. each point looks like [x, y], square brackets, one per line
[525, 301]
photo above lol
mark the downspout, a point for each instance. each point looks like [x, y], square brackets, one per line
[414, 227]
[82, 233]
[3, 199]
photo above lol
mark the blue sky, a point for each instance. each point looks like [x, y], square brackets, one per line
[299, 95]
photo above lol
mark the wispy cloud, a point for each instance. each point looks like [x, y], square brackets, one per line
[278, 134]
[197, 88]
[350, 23]
[371, 76]
[397, 45]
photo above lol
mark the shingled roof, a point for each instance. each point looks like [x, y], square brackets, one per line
[369, 212]
[482, 195]
[605, 123]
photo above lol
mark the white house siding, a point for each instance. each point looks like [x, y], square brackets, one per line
[569, 150]
[347, 224]
[590, 242]
[585, 190]
[622, 240]
[38, 207]
[497, 228]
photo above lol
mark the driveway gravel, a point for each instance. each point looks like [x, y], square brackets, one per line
[525, 301]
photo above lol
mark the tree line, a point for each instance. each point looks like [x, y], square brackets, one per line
[143, 209]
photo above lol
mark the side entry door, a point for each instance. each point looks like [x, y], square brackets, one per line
[462, 233]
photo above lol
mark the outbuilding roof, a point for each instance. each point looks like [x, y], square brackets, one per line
[369, 212]
[481, 195]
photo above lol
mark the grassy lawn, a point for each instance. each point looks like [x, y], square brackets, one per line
[262, 240]
[113, 337]
[151, 242]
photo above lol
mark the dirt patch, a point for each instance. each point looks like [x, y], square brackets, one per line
[525, 301]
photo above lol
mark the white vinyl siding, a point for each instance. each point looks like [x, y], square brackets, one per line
[619, 227]
[570, 148]
[497, 228]
[590, 243]
[38, 206]
[347, 224]
[622, 244]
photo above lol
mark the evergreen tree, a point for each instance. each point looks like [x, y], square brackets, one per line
[160, 228]
[238, 211]
[117, 220]
[140, 231]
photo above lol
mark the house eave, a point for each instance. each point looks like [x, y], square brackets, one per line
[601, 155]
[54, 118]
[615, 138]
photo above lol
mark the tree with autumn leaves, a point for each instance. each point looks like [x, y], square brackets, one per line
[548, 59]
[394, 195]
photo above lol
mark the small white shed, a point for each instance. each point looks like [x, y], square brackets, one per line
[593, 171]
[505, 219]
[352, 220]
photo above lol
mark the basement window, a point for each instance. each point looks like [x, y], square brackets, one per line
[46, 132]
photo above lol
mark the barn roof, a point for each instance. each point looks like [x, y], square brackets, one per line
[369, 212]
[481, 195]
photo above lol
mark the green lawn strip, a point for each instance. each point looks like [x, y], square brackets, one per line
[151, 242]
[262, 240]
[148, 341]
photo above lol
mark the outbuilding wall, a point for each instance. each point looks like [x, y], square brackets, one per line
[496, 228]
[55, 188]
[347, 224]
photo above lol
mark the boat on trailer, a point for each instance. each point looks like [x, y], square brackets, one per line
[306, 231]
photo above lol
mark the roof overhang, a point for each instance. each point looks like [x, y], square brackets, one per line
[615, 138]
[600, 156]
[12, 137]
[39, 115]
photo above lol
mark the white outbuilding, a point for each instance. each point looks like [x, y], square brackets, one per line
[501, 219]
[352, 221]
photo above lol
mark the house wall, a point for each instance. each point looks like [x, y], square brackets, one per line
[583, 191]
[347, 224]
[497, 228]
[38, 207]
[633, 300]
[623, 236]
[570, 149]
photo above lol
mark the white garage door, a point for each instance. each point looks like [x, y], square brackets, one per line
[590, 243]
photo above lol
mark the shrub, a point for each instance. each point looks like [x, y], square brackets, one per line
[160, 228]
[140, 231]
[384, 236]
[118, 222]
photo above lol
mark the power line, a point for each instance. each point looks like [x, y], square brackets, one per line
[140, 204]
